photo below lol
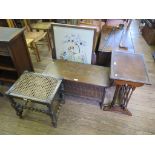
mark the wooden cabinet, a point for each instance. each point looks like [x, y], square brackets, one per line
[149, 35]
[3, 22]
[14, 55]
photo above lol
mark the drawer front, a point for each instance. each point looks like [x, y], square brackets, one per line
[4, 49]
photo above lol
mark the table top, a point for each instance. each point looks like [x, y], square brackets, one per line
[129, 67]
[35, 86]
[111, 38]
[7, 34]
[90, 74]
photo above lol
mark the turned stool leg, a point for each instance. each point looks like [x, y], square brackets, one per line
[52, 115]
[19, 111]
[61, 94]
[17, 107]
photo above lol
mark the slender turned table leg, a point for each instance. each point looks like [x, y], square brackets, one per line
[61, 94]
[121, 98]
[115, 95]
[52, 114]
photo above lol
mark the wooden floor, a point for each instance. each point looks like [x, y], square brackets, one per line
[79, 116]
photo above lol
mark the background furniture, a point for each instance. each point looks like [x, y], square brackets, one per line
[148, 31]
[39, 89]
[43, 26]
[97, 36]
[32, 45]
[36, 37]
[113, 39]
[7, 23]
[3, 23]
[89, 81]
[114, 22]
[128, 71]
[72, 21]
[32, 38]
[11, 23]
[14, 55]
[73, 43]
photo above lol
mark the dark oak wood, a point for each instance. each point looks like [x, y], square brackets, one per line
[82, 80]
[14, 55]
[6, 76]
[129, 67]
[6, 63]
[149, 35]
[3, 23]
[128, 71]
[85, 73]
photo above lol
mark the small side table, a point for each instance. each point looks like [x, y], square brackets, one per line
[128, 71]
[38, 89]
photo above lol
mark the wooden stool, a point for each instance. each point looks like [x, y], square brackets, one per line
[39, 89]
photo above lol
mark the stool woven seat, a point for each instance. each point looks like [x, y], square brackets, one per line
[37, 88]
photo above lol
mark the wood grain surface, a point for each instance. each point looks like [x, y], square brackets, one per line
[90, 74]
